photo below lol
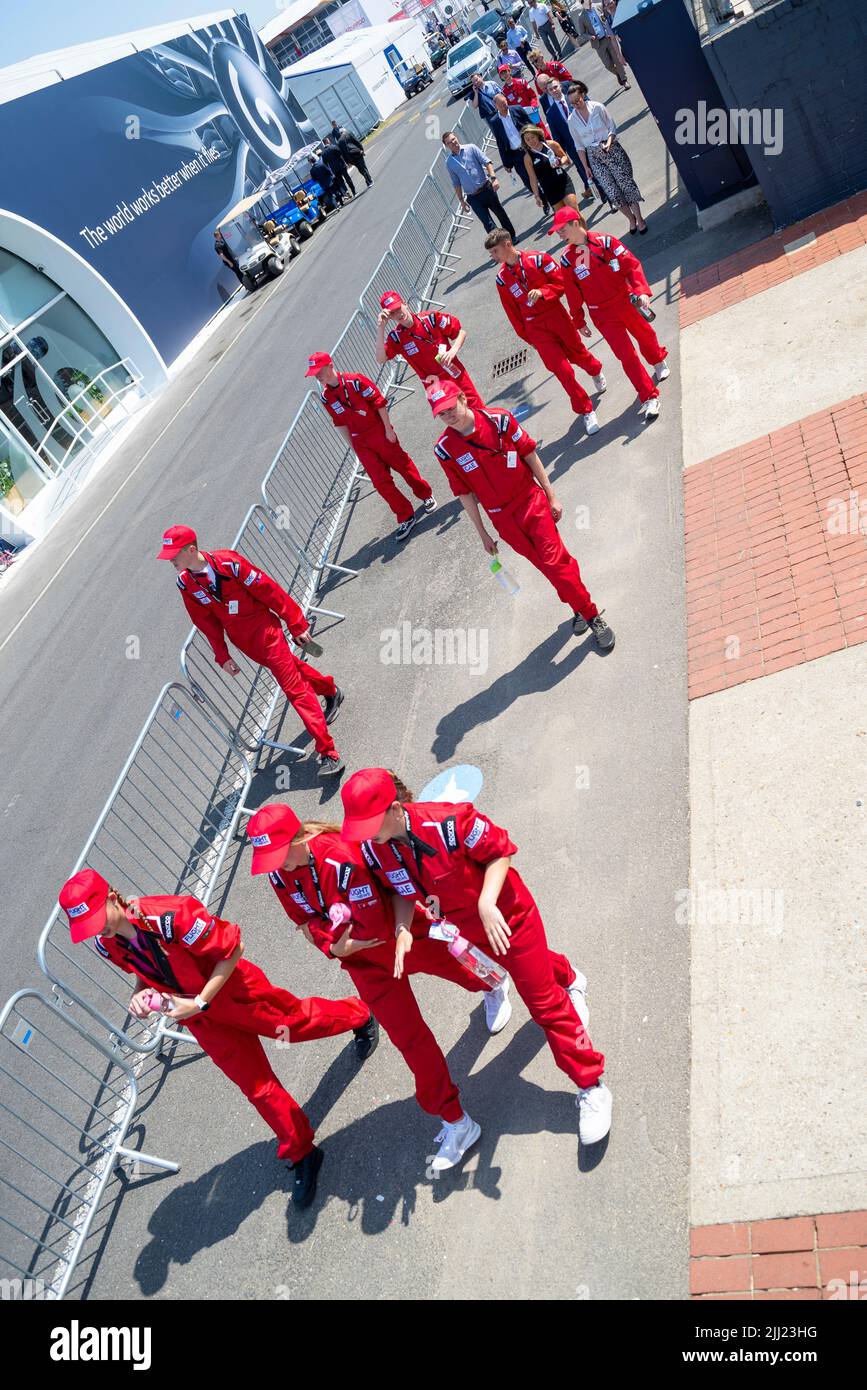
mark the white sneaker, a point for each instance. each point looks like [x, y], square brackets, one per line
[661, 371]
[650, 409]
[498, 1008]
[577, 992]
[591, 424]
[599, 383]
[594, 1113]
[454, 1140]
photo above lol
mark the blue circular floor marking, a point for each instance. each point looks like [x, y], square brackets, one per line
[461, 783]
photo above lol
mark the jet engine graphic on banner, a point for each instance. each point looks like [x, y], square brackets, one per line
[155, 149]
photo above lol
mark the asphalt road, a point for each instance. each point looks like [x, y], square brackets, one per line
[584, 760]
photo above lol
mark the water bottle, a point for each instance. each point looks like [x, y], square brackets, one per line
[502, 575]
[634, 300]
[468, 955]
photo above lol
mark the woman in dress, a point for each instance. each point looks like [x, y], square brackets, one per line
[546, 163]
[595, 136]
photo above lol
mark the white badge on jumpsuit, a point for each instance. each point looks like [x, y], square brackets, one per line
[233, 605]
[512, 458]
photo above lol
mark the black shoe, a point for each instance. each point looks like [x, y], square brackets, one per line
[306, 1171]
[330, 766]
[332, 705]
[602, 632]
[366, 1039]
[579, 625]
[405, 528]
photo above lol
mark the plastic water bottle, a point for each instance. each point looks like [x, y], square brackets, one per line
[469, 956]
[502, 575]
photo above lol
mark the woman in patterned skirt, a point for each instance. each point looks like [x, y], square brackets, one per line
[603, 156]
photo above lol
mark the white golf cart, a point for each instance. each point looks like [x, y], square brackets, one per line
[259, 258]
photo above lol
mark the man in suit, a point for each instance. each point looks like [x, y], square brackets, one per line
[557, 112]
[507, 124]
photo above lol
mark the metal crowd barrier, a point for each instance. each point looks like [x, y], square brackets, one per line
[435, 217]
[417, 256]
[307, 487]
[165, 828]
[60, 1146]
[355, 350]
[388, 275]
[242, 707]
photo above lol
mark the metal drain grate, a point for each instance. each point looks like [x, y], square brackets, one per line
[510, 364]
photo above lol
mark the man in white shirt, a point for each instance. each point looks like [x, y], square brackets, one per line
[506, 125]
[518, 38]
[542, 22]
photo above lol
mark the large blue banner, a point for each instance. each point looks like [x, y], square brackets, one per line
[133, 164]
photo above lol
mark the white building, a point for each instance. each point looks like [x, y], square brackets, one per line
[351, 80]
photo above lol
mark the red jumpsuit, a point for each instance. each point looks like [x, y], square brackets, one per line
[519, 93]
[355, 403]
[445, 859]
[418, 345]
[341, 876]
[551, 68]
[601, 278]
[489, 465]
[545, 323]
[233, 600]
[175, 950]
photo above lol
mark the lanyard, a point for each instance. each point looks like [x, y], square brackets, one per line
[316, 884]
[420, 849]
[341, 382]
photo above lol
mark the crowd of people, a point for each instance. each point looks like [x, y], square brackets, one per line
[400, 887]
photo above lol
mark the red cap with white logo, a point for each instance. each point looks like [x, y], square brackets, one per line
[561, 217]
[390, 300]
[83, 898]
[442, 395]
[366, 798]
[271, 832]
[316, 361]
[175, 539]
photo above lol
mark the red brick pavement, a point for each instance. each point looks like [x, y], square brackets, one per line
[805, 1258]
[756, 268]
[776, 549]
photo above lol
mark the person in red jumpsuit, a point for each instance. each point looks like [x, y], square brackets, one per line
[312, 869]
[490, 460]
[429, 343]
[359, 409]
[548, 67]
[457, 856]
[176, 946]
[227, 598]
[600, 274]
[530, 286]
[519, 93]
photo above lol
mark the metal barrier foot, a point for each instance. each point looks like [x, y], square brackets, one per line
[136, 1157]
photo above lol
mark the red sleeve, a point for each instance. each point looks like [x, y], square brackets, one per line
[574, 297]
[481, 839]
[205, 619]
[210, 939]
[518, 437]
[630, 267]
[449, 324]
[552, 287]
[390, 346]
[267, 591]
[369, 392]
[454, 476]
[512, 313]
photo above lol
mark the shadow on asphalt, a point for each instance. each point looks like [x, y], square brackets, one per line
[535, 674]
[375, 1166]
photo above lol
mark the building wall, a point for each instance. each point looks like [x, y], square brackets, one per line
[805, 58]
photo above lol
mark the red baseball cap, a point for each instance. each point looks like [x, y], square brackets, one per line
[390, 300]
[504, 67]
[316, 361]
[441, 395]
[366, 798]
[175, 539]
[563, 216]
[271, 832]
[83, 898]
